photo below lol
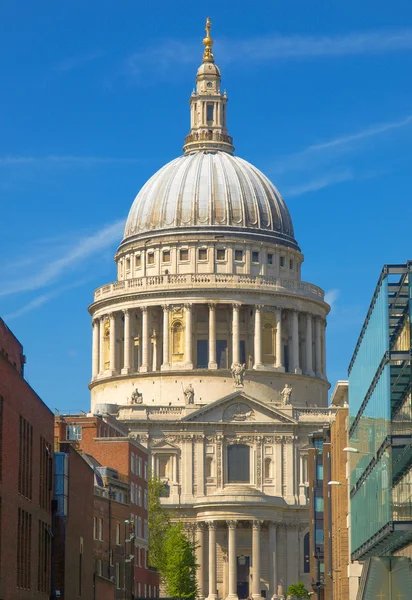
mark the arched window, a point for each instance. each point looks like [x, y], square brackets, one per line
[238, 463]
[177, 338]
[209, 466]
[268, 468]
[306, 565]
[268, 340]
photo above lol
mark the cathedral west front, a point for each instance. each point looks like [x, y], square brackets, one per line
[211, 348]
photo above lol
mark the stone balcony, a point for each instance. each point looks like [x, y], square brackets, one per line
[209, 281]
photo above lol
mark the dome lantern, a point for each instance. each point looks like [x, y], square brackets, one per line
[208, 130]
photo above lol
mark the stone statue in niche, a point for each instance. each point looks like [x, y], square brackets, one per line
[189, 394]
[239, 412]
[238, 372]
[136, 397]
[286, 394]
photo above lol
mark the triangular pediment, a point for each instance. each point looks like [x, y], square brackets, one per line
[163, 445]
[239, 408]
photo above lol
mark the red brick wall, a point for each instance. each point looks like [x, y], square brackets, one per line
[77, 527]
[18, 398]
[105, 589]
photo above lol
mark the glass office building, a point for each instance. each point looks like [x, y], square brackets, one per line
[380, 414]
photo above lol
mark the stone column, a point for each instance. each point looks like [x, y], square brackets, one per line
[95, 348]
[212, 561]
[153, 339]
[212, 336]
[323, 356]
[279, 345]
[127, 339]
[144, 367]
[112, 338]
[292, 553]
[257, 363]
[188, 337]
[295, 342]
[235, 335]
[256, 559]
[166, 343]
[308, 344]
[318, 348]
[200, 542]
[232, 560]
[101, 346]
[273, 571]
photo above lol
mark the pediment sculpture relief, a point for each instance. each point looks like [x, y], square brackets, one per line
[239, 412]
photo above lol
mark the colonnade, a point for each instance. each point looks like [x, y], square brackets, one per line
[302, 328]
[207, 565]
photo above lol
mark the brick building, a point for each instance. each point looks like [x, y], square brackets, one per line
[120, 500]
[26, 449]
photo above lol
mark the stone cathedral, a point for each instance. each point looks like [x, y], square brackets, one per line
[212, 349]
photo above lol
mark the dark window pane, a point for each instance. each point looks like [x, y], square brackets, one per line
[202, 354]
[221, 354]
[238, 458]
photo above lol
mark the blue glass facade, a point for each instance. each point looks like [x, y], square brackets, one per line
[379, 395]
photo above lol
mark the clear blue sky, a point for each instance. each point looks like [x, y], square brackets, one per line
[94, 99]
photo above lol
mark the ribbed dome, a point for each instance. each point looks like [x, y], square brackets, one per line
[214, 192]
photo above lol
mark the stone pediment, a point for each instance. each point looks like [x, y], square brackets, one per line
[239, 408]
[163, 445]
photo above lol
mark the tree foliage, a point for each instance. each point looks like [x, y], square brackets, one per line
[298, 591]
[180, 564]
[159, 525]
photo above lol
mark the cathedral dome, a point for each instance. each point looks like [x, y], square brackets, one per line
[213, 192]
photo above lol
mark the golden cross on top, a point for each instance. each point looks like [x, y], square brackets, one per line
[208, 43]
[400, 596]
[381, 596]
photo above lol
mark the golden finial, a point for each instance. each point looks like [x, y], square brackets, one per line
[208, 43]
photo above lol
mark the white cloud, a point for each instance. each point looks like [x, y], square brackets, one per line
[319, 183]
[160, 59]
[76, 62]
[331, 297]
[40, 300]
[84, 248]
[85, 161]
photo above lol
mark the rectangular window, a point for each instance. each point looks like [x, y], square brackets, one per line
[202, 253]
[184, 254]
[118, 534]
[23, 549]
[145, 499]
[255, 256]
[319, 472]
[138, 260]
[202, 354]
[282, 261]
[127, 264]
[74, 432]
[46, 468]
[99, 567]
[132, 462]
[220, 254]
[118, 582]
[140, 496]
[145, 471]
[101, 530]
[209, 116]
[318, 504]
[43, 558]
[239, 255]
[150, 258]
[95, 528]
[166, 256]
[25, 458]
[270, 259]
[140, 466]
[291, 264]
[319, 535]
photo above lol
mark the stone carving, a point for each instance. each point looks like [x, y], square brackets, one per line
[136, 397]
[189, 394]
[238, 372]
[239, 412]
[286, 394]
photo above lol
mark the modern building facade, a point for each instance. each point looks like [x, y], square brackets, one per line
[26, 454]
[380, 435]
[211, 349]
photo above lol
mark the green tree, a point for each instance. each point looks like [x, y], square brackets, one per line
[159, 525]
[180, 564]
[298, 590]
